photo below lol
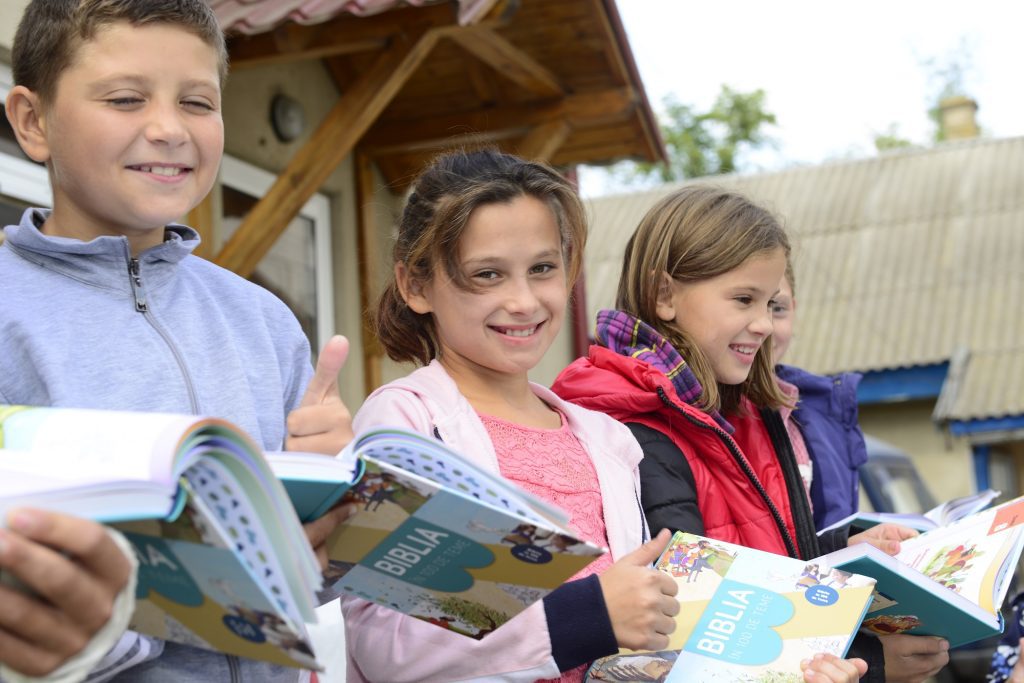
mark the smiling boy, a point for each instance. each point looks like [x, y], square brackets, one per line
[105, 307]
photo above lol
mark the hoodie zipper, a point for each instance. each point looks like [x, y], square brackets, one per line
[780, 523]
[803, 519]
[142, 306]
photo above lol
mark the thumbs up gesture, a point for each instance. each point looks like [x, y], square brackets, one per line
[640, 599]
[322, 423]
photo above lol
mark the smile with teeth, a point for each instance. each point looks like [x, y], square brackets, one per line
[169, 171]
[517, 332]
[745, 350]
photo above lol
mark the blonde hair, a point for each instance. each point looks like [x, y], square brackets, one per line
[696, 233]
[435, 217]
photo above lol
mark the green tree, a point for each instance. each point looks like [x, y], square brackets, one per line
[472, 613]
[705, 143]
[891, 139]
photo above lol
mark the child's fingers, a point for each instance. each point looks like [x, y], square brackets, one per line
[84, 599]
[827, 668]
[650, 551]
[25, 658]
[88, 542]
[36, 627]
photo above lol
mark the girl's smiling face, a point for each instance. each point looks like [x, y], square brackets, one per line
[729, 316]
[511, 254]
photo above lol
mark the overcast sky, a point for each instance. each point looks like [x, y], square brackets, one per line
[834, 73]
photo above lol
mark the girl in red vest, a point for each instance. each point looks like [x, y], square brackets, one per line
[685, 362]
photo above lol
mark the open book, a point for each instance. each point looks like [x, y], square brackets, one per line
[435, 536]
[746, 615]
[223, 560]
[947, 582]
[940, 515]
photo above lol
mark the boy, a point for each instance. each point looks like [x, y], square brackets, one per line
[103, 304]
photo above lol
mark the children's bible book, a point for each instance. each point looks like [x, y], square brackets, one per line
[746, 615]
[223, 560]
[947, 582]
[438, 538]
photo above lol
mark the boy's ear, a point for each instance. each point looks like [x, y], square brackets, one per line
[25, 113]
[411, 290]
[665, 308]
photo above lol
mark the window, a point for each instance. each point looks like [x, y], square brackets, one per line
[298, 267]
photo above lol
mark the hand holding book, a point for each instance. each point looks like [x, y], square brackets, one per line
[73, 571]
[640, 600]
[886, 537]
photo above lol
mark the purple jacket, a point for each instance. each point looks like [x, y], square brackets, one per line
[826, 415]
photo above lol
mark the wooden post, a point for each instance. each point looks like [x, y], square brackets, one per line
[369, 261]
[334, 140]
[202, 220]
[541, 143]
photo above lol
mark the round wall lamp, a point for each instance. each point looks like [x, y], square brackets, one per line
[287, 118]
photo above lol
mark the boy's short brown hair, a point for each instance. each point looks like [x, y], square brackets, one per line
[51, 31]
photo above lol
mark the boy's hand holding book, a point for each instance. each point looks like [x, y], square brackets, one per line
[75, 570]
[640, 600]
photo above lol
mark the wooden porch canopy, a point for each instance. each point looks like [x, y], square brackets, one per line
[552, 80]
[547, 79]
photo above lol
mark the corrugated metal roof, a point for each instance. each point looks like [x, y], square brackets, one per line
[258, 16]
[900, 259]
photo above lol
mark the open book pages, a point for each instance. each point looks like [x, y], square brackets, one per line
[224, 561]
[940, 515]
[948, 582]
[442, 540]
[316, 483]
[746, 615]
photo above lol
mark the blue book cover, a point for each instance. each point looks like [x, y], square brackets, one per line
[746, 615]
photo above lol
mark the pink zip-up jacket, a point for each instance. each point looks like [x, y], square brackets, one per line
[384, 645]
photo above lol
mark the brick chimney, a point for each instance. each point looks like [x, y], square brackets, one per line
[956, 118]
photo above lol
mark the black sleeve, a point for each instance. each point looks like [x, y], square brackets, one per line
[831, 541]
[869, 648]
[578, 623]
[668, 491]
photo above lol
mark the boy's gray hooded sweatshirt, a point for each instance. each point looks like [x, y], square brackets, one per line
[86, 325]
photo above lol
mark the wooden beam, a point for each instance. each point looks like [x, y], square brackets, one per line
[508, 60]
[201, 218]
[579, 111]
[292, 42]
[369, 262]
[542, 142]
[335, 138]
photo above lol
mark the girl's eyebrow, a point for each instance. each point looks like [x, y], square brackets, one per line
[487, 260]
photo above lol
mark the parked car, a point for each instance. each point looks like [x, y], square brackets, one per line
[890, 482]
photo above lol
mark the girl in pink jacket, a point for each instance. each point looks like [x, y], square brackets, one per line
[488, 248]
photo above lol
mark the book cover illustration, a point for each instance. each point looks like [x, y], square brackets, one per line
[747, 615]
[194, 588]
[458, 555]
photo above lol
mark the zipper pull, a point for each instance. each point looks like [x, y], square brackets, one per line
[136, 282]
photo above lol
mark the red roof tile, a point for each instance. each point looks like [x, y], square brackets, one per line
[257, 16]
